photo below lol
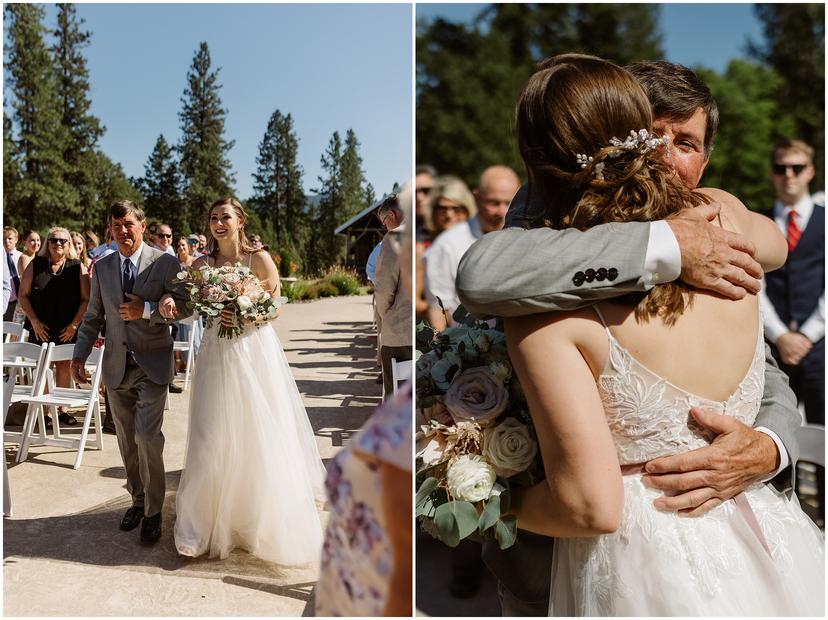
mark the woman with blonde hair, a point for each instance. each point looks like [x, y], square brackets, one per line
[609, 386]
[54, 291]
[79, 242]
[450, 202]
[252, 473]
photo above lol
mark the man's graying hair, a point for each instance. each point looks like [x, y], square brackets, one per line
[675, 93]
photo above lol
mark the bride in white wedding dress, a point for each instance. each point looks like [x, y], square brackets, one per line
[609, 387]
[252, 476]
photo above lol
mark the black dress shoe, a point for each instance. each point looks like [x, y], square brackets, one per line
[109, 429]
[151, 529]
[175, 389]
[132, 518]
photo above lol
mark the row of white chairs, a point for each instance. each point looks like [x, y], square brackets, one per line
[41, 394]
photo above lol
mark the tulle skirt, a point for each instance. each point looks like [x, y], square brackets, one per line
[659, 564]
[252, 476]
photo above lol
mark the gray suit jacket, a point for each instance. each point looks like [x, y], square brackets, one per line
[393, 302]
[149, 340]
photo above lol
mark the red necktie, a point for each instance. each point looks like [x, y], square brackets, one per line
[793, 231]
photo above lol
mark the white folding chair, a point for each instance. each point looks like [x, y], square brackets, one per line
[400, 372]
[68, 397]
[188, 346]
[15, 354]
[14, 329]
[811, 440]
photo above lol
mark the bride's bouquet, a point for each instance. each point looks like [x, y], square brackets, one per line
[475, 436]
[213, 289]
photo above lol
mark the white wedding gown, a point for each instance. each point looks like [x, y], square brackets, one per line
[252, 475]
[659, 564]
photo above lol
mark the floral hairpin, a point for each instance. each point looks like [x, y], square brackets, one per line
[637, 141]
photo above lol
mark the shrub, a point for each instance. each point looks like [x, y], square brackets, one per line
[346, 282]
[323, 289]
[294, 290]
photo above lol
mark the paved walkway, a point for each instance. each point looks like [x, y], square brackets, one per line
[65, 556]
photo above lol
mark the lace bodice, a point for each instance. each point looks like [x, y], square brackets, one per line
[650, 417]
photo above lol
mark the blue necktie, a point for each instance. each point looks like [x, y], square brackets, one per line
[129, 277]
[13, 270]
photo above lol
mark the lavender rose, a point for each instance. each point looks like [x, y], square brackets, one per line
[476, 395]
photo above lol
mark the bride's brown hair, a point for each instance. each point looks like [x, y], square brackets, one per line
[574, 104]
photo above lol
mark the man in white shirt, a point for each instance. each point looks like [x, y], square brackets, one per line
[498, 185]
[163, 238]
[793, 298]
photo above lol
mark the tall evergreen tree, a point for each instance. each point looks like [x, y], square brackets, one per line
[161, 187]
[42, 193]
[278, 179]
[84, 129]
[353, 179]
[11, 166]
[111, 184]
[794, 46]
[328, 246]
[203, 150]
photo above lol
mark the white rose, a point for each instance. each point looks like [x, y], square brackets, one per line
[182, 275]
[470, 478]
[509, 447]
[244, 302]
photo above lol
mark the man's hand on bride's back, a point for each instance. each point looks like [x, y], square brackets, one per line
[713, 258]
[701, 479]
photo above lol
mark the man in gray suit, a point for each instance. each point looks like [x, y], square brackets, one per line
[133, 295]
[516, 272]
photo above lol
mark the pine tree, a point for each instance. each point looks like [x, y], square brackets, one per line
[11, 166]
[41, 193]
[353, 179]
[203, 150]
[328, 246]
[370, 195]
[84, 129]
[278, 179]
[161, 187]
[111, 184]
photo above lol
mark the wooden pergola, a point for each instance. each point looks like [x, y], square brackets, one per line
[362, 232]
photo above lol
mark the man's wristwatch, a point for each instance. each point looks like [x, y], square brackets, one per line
[76, 326]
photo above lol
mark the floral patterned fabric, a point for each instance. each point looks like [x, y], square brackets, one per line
[356, 555]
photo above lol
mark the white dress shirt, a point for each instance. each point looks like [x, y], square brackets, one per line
[442, 259]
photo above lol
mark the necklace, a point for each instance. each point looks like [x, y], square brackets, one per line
[59, 271]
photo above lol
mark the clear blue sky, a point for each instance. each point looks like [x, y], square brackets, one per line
[692, 34]
[333, 67]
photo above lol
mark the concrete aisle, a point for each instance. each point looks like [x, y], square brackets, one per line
[65, 556]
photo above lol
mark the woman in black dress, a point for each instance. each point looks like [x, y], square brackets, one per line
[54, 291]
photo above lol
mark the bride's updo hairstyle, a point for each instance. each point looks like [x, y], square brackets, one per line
[244, 244]
[574, 105]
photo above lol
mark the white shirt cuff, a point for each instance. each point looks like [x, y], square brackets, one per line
[662, 262]
[784, 461]
[147, 310]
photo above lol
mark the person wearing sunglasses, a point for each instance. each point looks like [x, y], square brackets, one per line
[163, 238]
[54, 292]
[793, 298]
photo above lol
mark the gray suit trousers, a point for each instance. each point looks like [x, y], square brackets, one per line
[138, 411]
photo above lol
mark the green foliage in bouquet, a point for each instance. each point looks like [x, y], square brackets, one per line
[475, 439]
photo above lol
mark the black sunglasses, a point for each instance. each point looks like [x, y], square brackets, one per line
[423, 190]
[780, 169]
[55, 240]
[439, 207]
[168, 236]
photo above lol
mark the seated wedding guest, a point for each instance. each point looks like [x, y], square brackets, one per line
[80, 249]
[393, 300]
[202, 243]
[367, 572]
[152, 228]
[449, 203]
[91, 241]
[10, 237]
[498, 185]
[54, 291]
[31, 246]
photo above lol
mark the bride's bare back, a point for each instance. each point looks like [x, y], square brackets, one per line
[709, 349]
